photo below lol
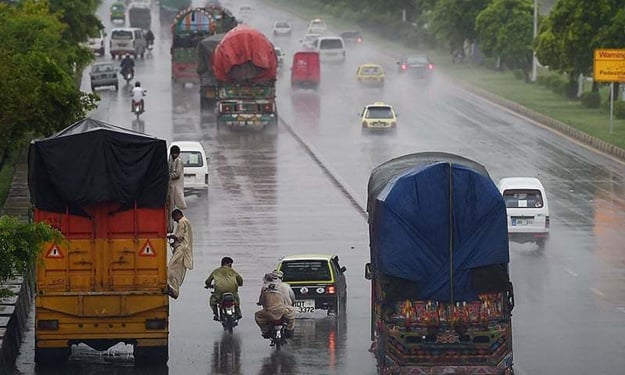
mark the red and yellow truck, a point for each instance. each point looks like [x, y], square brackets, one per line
[105, 189]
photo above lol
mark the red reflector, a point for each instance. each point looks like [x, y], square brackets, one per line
[430, 66]
[331, 289]
[359, 40]
[403, 66]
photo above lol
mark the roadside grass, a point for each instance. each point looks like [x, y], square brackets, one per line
[594, 122]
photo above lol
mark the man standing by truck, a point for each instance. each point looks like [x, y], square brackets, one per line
[182, 258]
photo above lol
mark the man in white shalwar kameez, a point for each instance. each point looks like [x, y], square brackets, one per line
[182, 257]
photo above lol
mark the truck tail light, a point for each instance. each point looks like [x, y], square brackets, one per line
[404, 67]
[430, 67]
[331, 289]
[267, 108]
[359, 40]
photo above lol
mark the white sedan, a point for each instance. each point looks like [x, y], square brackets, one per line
[282, 28]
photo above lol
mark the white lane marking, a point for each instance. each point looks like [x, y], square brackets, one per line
[570, 272]
[597, 292]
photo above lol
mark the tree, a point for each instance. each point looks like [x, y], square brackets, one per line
[39, 93]
[19, 246]
[574, 29]
[505, 30]
[454, 20]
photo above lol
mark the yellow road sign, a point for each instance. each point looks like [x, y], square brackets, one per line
[609, 65]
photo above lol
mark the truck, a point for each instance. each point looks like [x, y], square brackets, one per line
[104, 283]
[245, 67]
[225, 21]
[189, 27]
[139, 15]
[169, 8]
[441, 296]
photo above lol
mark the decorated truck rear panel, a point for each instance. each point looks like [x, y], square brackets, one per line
[245, 68]
[441, 295]
[105, 283]
[190, 26]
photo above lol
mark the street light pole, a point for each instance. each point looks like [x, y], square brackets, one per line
[534, 62]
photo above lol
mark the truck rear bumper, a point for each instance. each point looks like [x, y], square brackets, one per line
[504, 367]
[247, 121]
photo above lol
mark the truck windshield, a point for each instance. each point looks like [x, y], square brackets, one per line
[306, 270]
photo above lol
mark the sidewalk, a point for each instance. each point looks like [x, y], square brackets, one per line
[14, 310]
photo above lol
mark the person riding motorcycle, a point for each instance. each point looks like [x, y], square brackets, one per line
[126, 64]
[277, 299]
[224, 279]
[138, 93]
[149, 37]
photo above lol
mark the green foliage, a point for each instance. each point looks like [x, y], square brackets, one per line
[37, 68]
[591, 99]
[505, 30]
[574, 28]
[619, 110]
[453, 21]
[20, 243]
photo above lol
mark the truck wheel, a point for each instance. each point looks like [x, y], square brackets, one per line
[152, 355]
[52, 356]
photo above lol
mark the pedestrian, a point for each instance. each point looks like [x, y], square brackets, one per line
[277, 304]
[175, 195]
[224, 279]
[182, 257]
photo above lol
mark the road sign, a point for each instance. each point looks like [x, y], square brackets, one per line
[147, 250]
[55, 252]
[609, 65]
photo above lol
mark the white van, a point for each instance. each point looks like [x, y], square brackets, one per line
[527, 208]
[330, 48]
[125, 40]
[195, 166]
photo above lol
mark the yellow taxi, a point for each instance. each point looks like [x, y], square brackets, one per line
[370, 75]
[378, 115]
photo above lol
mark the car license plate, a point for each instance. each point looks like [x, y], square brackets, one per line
[304, 305]
[516, 221]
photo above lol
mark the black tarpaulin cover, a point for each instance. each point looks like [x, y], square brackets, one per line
[94, 162]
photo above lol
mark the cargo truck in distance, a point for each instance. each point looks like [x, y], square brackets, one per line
[441, 297]
[245, 67]
[105, 189]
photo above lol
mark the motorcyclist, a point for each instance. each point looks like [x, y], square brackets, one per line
[149, 37]
[138, 93]
[277, 299]
[126, 64]
[224, 279]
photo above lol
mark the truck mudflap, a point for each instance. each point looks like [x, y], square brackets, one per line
[247, 121]
[430, 337]
[184, 72]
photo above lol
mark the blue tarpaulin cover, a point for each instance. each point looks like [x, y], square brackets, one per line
[433, 215]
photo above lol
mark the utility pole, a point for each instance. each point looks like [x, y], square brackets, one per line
[534, 62]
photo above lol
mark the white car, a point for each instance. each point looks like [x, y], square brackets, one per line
[317, 26]
[96, 43]
[282, 28]
[195, 166]
[309, 41]
[527, 208]
[330, 48]
[279, 55]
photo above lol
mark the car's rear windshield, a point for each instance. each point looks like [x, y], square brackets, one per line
[350, 34]
[283, 25]
[306, 270]
[379, 112]
[523, 198]
[191, 158]
[417, 60]
[121, 34]
[370, 70]
[331, 44]
[102, 68]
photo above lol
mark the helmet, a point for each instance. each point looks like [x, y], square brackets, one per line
[226, 261]
[127, 55]
[276, 274]
[137, 84]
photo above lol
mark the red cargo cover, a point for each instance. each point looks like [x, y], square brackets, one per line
[241, 46]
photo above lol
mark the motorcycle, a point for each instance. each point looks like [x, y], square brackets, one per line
[226, 306]
[128, 74]
[278, 338]
[137, 108]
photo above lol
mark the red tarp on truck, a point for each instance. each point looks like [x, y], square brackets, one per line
[245, 54]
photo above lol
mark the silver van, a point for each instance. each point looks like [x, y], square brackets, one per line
[129, 40]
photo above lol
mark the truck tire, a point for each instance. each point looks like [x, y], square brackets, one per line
[52, 356]
[151, 355]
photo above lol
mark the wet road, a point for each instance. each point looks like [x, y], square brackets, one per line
[268, 198]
